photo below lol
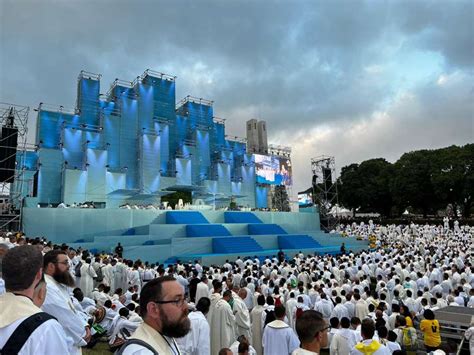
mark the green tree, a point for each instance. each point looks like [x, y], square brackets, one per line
[280, 199]
[349, 186]
[452, 176]
[412, 185]
[376, 175]
[367, 186]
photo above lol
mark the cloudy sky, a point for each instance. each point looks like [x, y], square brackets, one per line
[352, 79]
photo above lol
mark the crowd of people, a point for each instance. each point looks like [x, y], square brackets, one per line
[372, 302]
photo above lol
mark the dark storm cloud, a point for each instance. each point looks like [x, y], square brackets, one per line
[311, 63]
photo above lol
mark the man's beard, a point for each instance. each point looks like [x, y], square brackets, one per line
[64, 277]
[176, 329]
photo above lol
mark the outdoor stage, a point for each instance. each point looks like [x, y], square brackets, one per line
[161, 235]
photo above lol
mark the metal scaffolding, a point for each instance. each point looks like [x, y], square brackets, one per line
[14, 116]
[325, 189]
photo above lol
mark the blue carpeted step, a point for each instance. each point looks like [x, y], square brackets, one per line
[263, 228]
[241, 217]
[234, 245]
[185, 217]
[206, 230]
[296, 241]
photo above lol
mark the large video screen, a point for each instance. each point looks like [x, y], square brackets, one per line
[305, 198]
[273, 170]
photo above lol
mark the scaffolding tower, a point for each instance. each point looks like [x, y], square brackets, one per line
[14, 117]
[324, 189]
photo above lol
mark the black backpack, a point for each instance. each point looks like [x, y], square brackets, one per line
[23, 332]
[270, 317]
[77, 269]
[100, 274]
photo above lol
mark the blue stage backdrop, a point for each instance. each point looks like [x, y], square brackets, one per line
[134, 144]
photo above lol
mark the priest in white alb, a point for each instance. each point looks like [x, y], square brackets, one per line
[223, 320]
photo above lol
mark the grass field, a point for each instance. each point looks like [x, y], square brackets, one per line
[101, 348]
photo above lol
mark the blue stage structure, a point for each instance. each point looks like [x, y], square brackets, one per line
[156, 237]
[134, 145]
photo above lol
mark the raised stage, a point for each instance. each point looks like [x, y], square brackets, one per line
[163, 235]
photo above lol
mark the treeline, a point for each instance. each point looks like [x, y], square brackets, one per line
[422, 181]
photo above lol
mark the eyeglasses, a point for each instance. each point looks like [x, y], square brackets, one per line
[178, 303]
[65, 262]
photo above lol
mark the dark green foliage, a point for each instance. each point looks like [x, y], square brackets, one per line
[423, 180]
[280, 199]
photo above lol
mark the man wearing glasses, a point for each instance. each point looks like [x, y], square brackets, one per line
[164, 310]
[312, 331]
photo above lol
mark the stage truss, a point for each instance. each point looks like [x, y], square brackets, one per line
[325, 189]
[12, 115]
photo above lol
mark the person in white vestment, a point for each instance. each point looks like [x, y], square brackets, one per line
[87, 278]
[368, 344]
[108, 271]
[361, 307]
[164, 310]
[278, 337]
[197, 341]
[134, 276]
[215, 296]
[256, 320]
[58, 299]
[110, 314]
[122, 327]
[290, 307]
[339, 310]
[223, 320]
[312, 332]
[344, 340]
[120, 275]
[324, 306]
[242, 344]
[22, 272]
[202, 289]
[242, 316]
[469, 336]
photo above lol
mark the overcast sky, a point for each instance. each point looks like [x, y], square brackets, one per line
[352, 79]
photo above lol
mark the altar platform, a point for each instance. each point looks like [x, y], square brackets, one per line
[167, 236]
